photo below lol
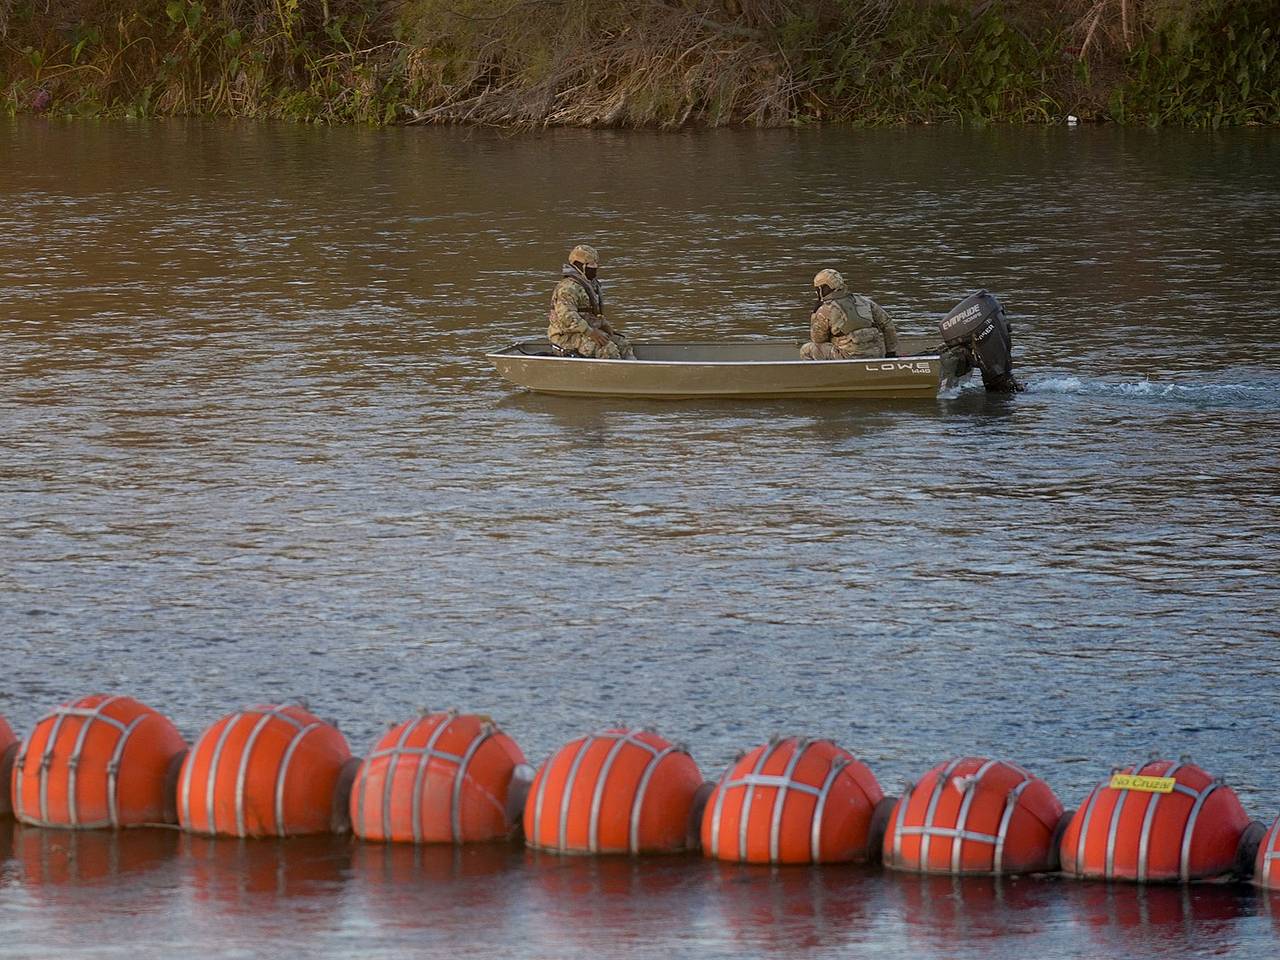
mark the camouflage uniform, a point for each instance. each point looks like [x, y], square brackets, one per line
[847, 326]
[577, 307]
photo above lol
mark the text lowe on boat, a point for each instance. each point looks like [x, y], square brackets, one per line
[975, 335]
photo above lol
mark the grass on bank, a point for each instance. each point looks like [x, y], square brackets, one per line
[665, 63]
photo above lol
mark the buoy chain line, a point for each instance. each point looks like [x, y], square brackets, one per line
[89, 716]
[247, 759]
[264, 713]
[784, 783]
[1198, 798]
[621, 739]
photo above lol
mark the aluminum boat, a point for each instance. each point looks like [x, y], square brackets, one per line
[975, 335]
[726, 369]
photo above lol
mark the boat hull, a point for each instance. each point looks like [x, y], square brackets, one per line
[747, 370]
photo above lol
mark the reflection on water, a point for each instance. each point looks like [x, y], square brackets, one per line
[250, 450]
[1163, 921]
[478, 901]
[945, 910]
[777, 910]
[451, 891]
[49, 859]
[257, 876]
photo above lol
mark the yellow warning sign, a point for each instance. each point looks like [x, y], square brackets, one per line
[1129, 781]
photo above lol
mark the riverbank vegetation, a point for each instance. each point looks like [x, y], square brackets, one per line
[664, 63]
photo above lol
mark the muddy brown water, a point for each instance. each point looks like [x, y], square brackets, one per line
[250, 451]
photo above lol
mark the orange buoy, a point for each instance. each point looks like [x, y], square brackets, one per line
[442, 778]
[265, 771]
[618, 791]
[1266, 866]
[101, 761]
[974, 815]
[792, 801]
[1156, 822]
[8, 750]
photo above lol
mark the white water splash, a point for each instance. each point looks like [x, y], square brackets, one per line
[1259, 394]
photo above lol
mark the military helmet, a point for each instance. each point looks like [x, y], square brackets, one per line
[584, 254]
[830, 278]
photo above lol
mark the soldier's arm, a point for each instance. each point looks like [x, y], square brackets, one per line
[885, 325]
[564, 303]
[820, 324]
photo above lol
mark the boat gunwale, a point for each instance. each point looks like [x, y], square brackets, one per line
[506, 352]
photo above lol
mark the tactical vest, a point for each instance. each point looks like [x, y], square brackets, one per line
[592, 288]
[857, 311]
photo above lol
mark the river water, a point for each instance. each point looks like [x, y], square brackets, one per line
[250, 451]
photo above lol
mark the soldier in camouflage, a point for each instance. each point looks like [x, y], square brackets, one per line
[576, 325]
[847, 326]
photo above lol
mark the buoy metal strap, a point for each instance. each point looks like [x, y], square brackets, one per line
[1198, 798]
[962, 819]
[228, 725]
[88, 715]
[900, 826]
[427, 753]
[721, 790]
[633, 835]
[264, 714]
[113, 772]
[619, 740]
[819, 808]
[460, 777]
[283, 774]
[388, 774]
[1010, 804]
[597, 796]
[1144, 840]
[1188, 831]
[938, 786]
[1270, 857]
[46, 761]
[1114, 828]
[542, 778]
[242, 775]
[567, 795]
[780, 799]
[73, 762]
[1085, 821]
[753, 779]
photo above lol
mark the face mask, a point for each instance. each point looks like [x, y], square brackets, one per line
[591, 272]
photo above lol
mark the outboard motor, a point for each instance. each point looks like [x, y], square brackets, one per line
[977, 334]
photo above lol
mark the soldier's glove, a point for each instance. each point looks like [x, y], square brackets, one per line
[891, 353]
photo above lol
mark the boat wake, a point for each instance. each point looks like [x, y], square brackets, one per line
[1257, 395]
